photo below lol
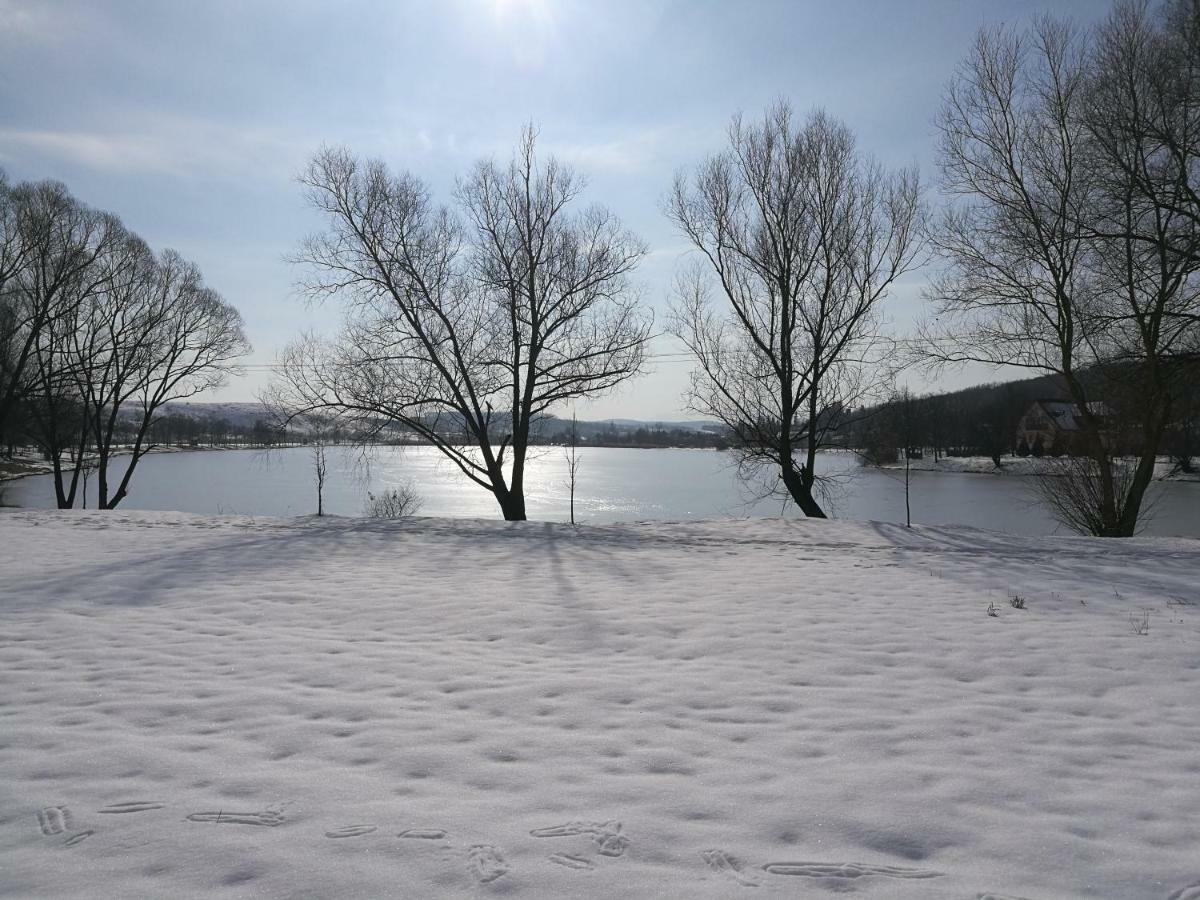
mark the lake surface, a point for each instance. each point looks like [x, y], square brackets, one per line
[614, 485]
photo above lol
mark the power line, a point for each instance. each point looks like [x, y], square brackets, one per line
[681, 356]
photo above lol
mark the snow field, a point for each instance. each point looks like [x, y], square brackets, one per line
[232, 707]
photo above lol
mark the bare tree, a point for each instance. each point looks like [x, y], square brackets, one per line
[49, 248]
[133, 332]
[801, 236]
[12, 260]
[320, 469]
[1144, 118]
[906, 412]
[1058, 260]
[1143, 124]
[185, 340]
[318, 432]
[1018, 290]
[465, 329]
[572, 456]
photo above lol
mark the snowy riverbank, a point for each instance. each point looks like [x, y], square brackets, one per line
[28, 463]
[1164, 469]
[232, 707]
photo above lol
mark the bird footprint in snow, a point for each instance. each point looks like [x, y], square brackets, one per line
[486, 863]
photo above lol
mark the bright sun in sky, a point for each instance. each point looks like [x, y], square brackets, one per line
[508, 9]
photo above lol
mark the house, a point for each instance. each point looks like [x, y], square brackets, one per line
[1055, 426]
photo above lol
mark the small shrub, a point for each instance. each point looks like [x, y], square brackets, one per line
[993, 610]
[1140, 624]
[1017, 601]
[397, 503]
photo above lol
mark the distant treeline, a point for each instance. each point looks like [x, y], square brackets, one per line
[612, 435]
[184, 429]
[985, 420]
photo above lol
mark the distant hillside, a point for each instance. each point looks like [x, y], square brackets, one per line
[238, 415]
[244, 415]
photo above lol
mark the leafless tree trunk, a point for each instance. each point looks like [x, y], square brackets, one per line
[320, 467]
[907, 429]
[801, 237]
[573, 462]
[466, 330]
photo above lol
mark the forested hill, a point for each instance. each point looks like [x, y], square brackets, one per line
[243, 417]
[975, 420]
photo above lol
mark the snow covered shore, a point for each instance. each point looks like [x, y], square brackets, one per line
[228, 707]
[1164, 469]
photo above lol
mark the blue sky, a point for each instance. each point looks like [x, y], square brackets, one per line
[190, 120]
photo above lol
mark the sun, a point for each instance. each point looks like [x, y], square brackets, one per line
[507, 10]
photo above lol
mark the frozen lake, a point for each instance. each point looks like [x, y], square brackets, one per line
[614, 485]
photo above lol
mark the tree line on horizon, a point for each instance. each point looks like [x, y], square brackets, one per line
[1066, 242]
[984, 420]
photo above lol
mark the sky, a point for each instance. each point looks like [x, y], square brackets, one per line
[191, 120]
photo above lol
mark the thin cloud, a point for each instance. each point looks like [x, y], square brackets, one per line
[40, 22]
[169, 147]
[629, 154]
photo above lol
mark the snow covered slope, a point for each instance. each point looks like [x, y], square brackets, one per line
[235, 708]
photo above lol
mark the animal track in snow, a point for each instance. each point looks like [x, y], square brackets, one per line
[1191, 892]
[427, 834]
[845, 870]
[572, 862]
[486, 863]
[133, 806]
[54, 820]
[267, 817]
[76, 838]
[351, 831]
[611, 844]
[721, 862]
[607, 835]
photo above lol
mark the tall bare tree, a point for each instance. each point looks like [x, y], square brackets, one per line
[1060, 257]
[1018, 290]
[467, 327]
[1143, 124]
[801, 237]
[51, 243]
[179, 338]
[12, 260]
[572, 459]
[137, 332]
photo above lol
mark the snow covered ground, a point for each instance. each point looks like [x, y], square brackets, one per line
[228, 708]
